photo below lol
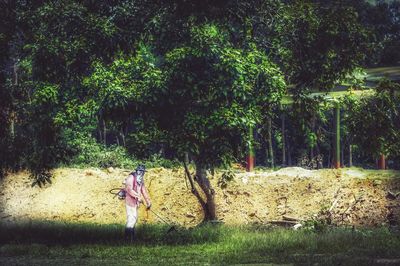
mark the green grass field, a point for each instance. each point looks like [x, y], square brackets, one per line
[77, 244]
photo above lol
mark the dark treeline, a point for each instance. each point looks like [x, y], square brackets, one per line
[102, 82]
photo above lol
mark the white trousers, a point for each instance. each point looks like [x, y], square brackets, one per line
[131, 216]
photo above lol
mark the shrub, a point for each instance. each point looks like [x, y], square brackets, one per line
[85, 151]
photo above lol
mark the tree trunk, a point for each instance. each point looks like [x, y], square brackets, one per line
[329, 162]
[205, 185]
[320, 163]
[15, 73]
[15, 83]
[350, 156]
[186, 162]
[12, 124]
[208, 205]
[186, 158]
[342, 155]
[266, 149]
[270, 148]
[312, 155]
[161, 152]
[121, 133]
[99, 130]
[12, 129]
[283, 140]
[104, 132]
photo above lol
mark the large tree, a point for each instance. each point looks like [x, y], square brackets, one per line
[210, 95]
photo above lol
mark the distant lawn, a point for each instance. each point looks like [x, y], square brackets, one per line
[76, 244]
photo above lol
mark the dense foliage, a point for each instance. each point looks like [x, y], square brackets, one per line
[202, 97]
[374, 123]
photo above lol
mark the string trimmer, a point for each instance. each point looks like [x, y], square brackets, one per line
[121, 193]
[159, 217]
[172, 228]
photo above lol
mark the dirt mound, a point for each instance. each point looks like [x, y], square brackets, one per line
[347, 196]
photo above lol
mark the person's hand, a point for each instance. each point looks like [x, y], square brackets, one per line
[148, 206]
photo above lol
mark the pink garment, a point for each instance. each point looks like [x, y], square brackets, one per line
[135, 191]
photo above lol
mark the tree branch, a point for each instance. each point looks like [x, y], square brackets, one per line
[194, 190]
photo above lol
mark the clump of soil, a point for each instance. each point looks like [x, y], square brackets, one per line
[347, 196]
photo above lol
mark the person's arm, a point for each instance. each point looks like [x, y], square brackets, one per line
[146, 196]
[129, 187]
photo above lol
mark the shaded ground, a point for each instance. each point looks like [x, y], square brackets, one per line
[300, 259]
[42, 243]
[348, 196]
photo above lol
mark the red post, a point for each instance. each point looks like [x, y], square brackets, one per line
[382, 162]
[336, 165]
[250, 163]
[250, 156]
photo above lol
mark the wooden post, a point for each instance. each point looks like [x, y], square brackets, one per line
[382, 162]
[250, 157]
[336, 162]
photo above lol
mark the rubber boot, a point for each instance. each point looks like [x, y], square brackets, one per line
[132, 235]
[129, 235]
[126, 235]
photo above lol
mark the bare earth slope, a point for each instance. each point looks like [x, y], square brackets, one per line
[353, 196]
